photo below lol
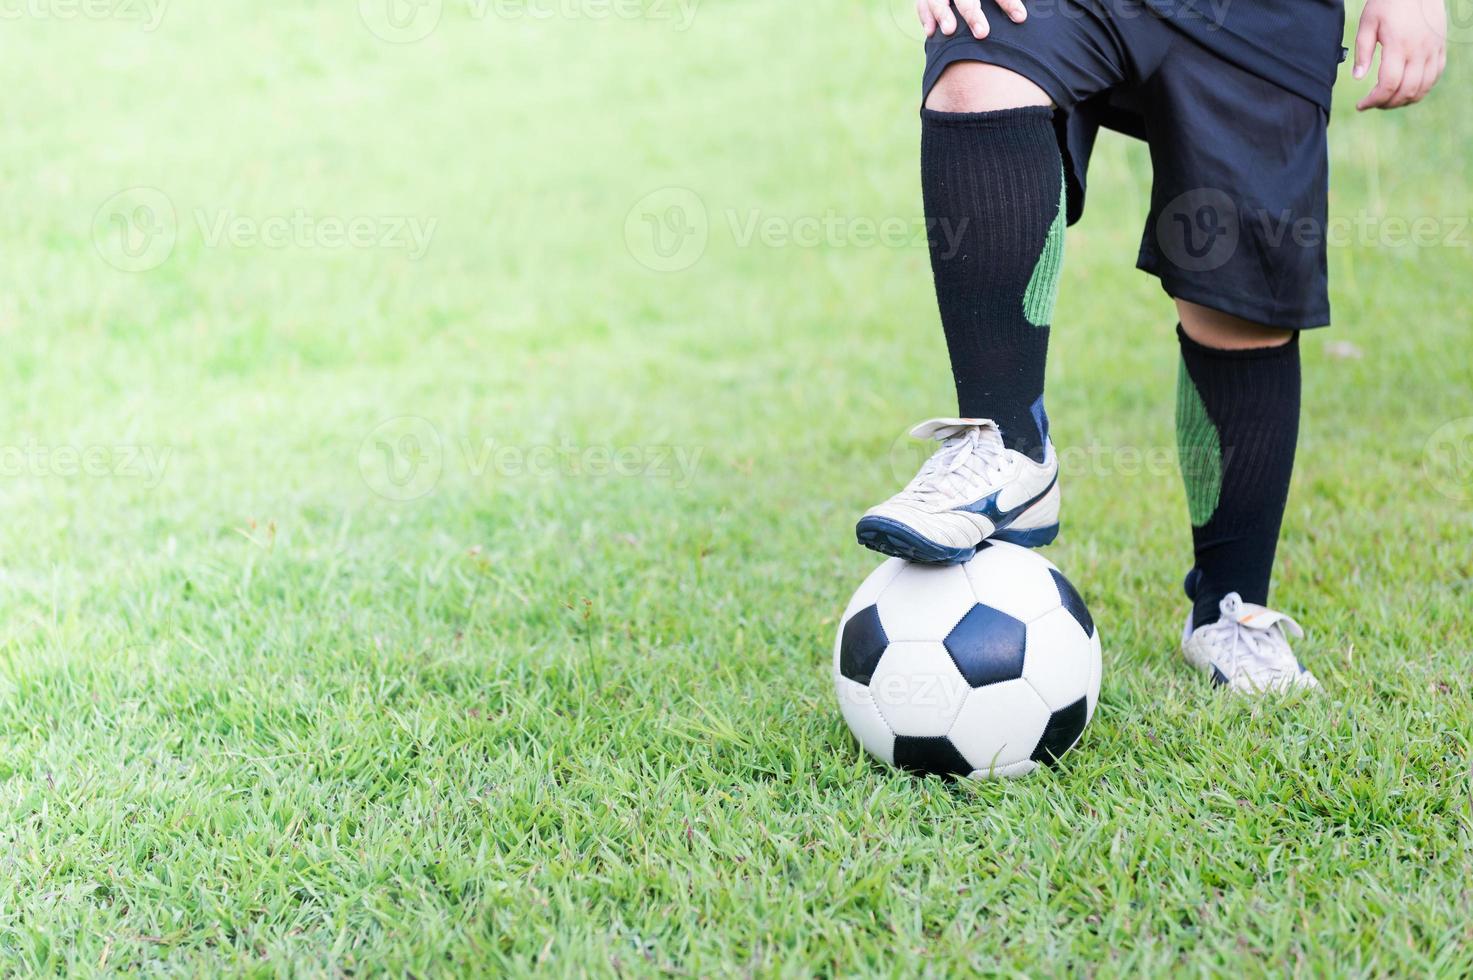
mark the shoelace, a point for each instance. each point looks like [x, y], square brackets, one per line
[972, 452]
[1264, 649]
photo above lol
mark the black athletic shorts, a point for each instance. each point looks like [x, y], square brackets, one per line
[1239, 164]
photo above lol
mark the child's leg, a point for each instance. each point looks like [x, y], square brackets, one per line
[992, 181]
[1237, 421]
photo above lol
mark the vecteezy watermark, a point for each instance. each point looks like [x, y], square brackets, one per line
[667, 229]
[137, 229]
[1452, 21]
[401, 21]
[678, 13]
[902, 14]
[119, 462]
[834, 230]
[404, 458]
[1200, 230]
[302, 229]
[408, 21]
[1447, 459]
[148, 14]
[907, 455]
[913, 679]
[401, 458]
[675, 464]
[1365, 230]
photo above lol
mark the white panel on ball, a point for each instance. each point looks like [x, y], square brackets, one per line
[925, 601]
[1014, 580]
[1006, 772]
[999, 725]
[918, 688]
[864, 719]
[870, 589]
[1058, 662]
[1096, 667]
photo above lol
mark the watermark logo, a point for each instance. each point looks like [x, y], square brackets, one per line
[1362, 229]
[680, 13]
[400, 21]
[409, 21]
[135, 230]
[401, 458]
[904, 15]
[833, 230]
[302, 229]
[907, 455]
[674, 464]
[405, 458]
[146, 13]
[1447, 459]
[667, 229]
[1453, 21]
[68, 462]
[914, 681]
[1198, 231]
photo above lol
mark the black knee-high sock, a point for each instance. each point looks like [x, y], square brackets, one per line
[993, 189]
[1237, 422]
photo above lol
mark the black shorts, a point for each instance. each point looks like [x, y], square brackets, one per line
[1239, 164]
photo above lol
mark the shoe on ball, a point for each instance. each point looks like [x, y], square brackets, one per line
[971, 489]
[1247, 649]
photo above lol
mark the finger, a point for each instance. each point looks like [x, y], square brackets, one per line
[945, 19]
[971, 12]
[1015, 10]
[1388, 80]
[1424, 80]
[1433, 73]
[1411, 83]
[1365, 46]
[927, 19]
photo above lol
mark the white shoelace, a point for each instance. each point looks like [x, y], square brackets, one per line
[967, 454]
[1252, 638]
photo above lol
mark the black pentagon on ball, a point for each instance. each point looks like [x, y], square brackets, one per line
[864, 640]
[932, 756]
[988, 646]
[1061, 732]
[1069, 596]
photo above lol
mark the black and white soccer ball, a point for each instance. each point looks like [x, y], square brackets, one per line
[986, 668]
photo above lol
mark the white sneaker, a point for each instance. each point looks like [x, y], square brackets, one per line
[971, 489]
[1247, 649]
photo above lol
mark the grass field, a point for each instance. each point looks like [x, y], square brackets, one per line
[412, 561]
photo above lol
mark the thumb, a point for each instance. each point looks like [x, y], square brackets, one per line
[1365, 46]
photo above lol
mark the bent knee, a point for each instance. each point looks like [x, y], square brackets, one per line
[974, 86]
[1223, 331]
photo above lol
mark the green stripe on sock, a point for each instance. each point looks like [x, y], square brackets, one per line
[1198, 448]
[1043, 285]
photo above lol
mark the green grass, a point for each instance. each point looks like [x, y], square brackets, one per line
[256, 717]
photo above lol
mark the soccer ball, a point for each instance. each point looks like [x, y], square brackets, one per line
[986, 668]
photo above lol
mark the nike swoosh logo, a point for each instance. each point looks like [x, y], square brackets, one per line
[987, 506]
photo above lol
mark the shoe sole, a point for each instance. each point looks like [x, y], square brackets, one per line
[899, 541]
